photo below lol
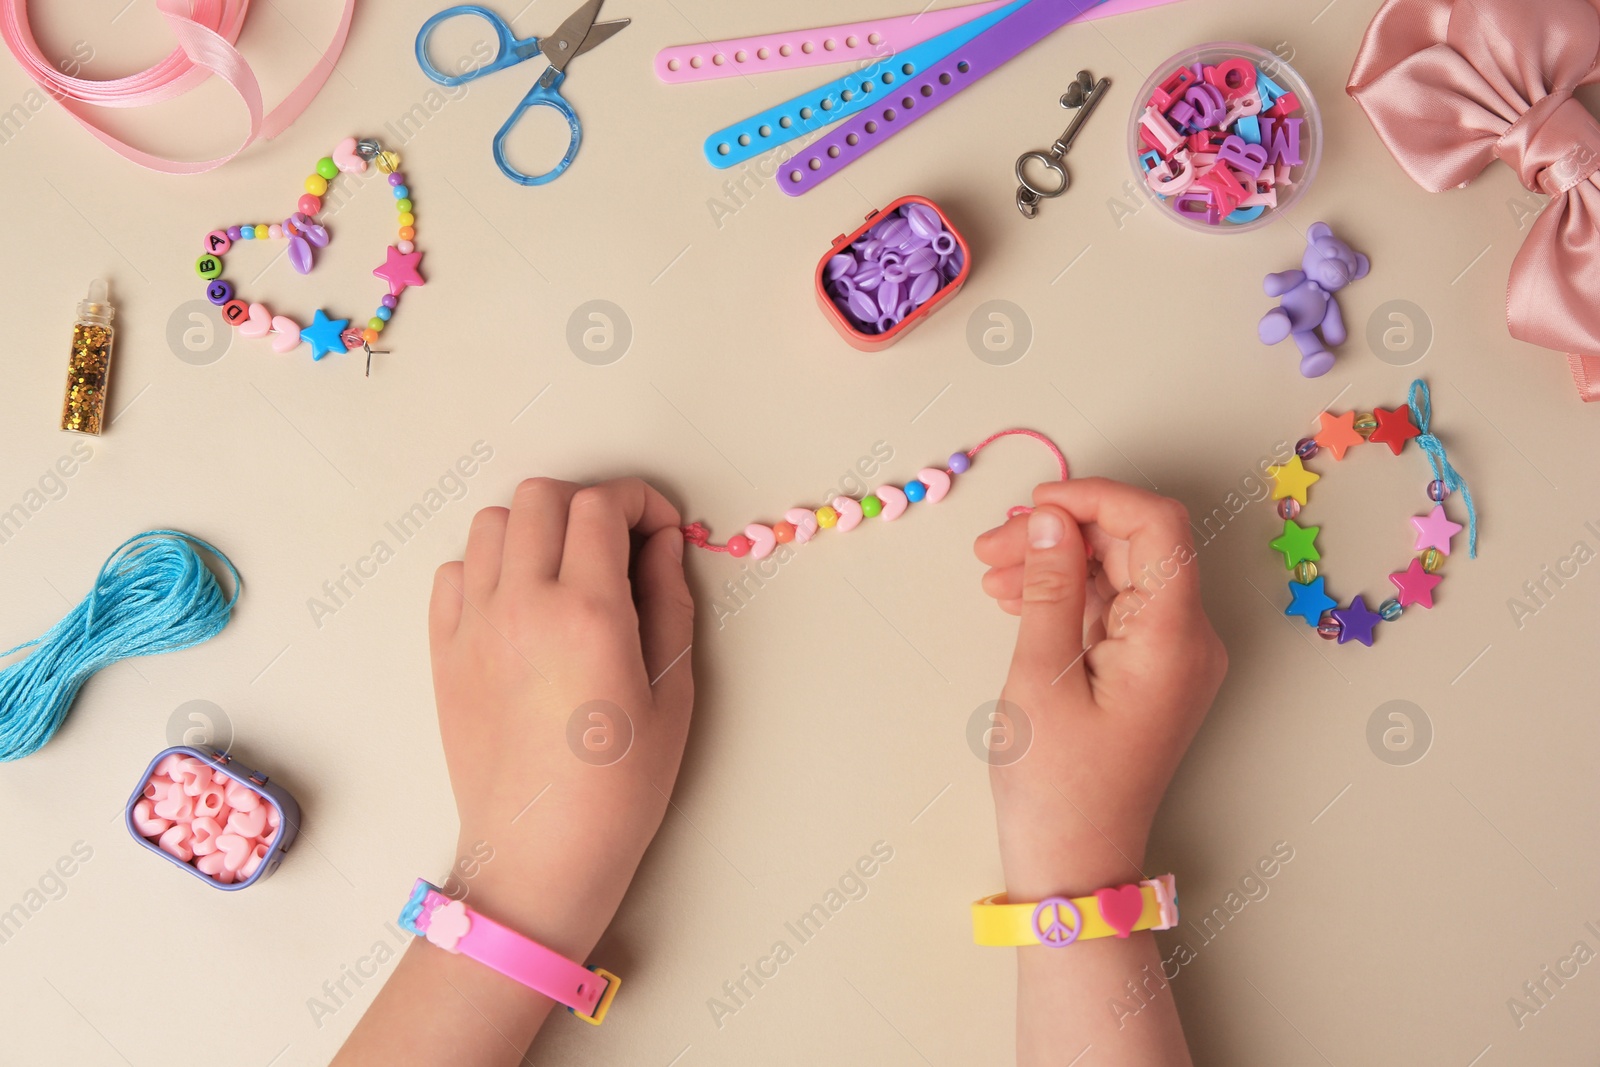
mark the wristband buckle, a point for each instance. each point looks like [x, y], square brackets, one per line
[613, 984]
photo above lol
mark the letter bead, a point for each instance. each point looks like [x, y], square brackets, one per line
[219, 292]
[217, 242]
[208, 266]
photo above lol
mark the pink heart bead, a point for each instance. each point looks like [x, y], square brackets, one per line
[209, 802]
[286, 334]
[203, 834]
[259, 322]
[146, 822]
[235, 850]
[248, 823]
[174, 842]
[176, 805]
[257, 855]
[241, 797]
[210, 864]
[347, 159]
[165, 768]
[1120, 906]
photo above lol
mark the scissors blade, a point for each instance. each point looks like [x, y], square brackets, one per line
[568, 40]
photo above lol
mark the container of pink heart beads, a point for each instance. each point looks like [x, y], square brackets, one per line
[222, 822]
[1225, 136]
[900, 266]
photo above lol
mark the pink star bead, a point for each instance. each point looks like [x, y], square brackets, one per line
[400, 270]
[1415, 585]
[1435, 529]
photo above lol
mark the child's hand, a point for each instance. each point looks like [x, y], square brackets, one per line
[1115, 666]
[574, 595]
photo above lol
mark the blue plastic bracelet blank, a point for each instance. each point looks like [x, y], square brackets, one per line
[840, 98]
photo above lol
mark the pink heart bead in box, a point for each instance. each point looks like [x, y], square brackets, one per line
[216, 818]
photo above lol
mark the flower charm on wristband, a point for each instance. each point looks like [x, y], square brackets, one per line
[845, 513]
[304, 235]
[1058, 921]
[587, 992]
[1414, 585]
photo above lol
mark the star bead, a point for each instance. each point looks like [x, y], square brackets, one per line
[1310, 600]
[1338, 433]
[1356, 622]
[1291, 479]
[1297, 543]
[400, 270]
[1415, 585]
[323, 335]
[1394, 428]
[1434, 530]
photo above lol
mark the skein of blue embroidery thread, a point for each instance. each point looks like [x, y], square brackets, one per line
[155, 594]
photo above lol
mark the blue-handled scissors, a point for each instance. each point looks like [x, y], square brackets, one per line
[575, 36]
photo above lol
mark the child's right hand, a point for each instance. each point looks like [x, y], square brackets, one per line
[1114, 669]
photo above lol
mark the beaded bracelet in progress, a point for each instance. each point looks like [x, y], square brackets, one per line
[845, 513]
[1414, 585]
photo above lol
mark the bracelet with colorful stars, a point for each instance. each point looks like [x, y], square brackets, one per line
[304, 234]
[844, 513]
[1434, 531]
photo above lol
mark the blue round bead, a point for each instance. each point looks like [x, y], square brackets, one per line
[915, 491]
[247, 232]
[384, 313]
[959, 462]
[400, 192]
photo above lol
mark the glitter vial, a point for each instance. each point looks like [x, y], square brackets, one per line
[89, 366]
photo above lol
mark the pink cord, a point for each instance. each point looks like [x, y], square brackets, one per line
[696, 533]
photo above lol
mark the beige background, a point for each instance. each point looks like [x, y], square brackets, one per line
[834, 702]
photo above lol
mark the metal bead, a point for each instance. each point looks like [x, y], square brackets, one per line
[1306, 447]
[1305, 572]
[1288, 508]
[1432, 560]
[1365, 423]
[1390, 609]
[1437, 491]
[1328, 627]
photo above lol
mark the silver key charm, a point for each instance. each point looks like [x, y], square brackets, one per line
[1083, 96]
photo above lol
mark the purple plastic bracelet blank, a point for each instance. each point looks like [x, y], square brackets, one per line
[935, 84]
[1065, 935]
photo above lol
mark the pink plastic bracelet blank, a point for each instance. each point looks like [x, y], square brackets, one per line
[791, 49]
[455, 927]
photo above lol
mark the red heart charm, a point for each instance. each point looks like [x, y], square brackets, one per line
[1120, 907]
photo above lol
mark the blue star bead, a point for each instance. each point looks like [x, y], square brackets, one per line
[323, 334]
[1356, 622]
[1310, 600]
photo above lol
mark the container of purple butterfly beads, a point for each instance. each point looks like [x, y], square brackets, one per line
[900, 266]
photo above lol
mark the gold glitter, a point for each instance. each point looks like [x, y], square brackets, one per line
[89, 365]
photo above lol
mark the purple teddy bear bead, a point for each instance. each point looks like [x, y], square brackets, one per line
[1306, 302]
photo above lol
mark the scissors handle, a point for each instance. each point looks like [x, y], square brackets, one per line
[510, 49]
[546, 92]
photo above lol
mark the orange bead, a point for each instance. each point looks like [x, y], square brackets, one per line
[408, 233]
[369, 336]
[783, 531]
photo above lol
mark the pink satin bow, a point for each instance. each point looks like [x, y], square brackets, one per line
[1452, 85]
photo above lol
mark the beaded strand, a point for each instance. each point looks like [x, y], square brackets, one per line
[305, 234]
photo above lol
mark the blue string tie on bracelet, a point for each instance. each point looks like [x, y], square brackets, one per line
[155, 594]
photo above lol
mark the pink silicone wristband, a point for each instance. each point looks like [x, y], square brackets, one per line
[455, 927]
[810, 48]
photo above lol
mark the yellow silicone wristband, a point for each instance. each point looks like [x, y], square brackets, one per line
[998, 923]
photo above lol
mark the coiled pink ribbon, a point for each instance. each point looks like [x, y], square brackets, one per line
[206, 31]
